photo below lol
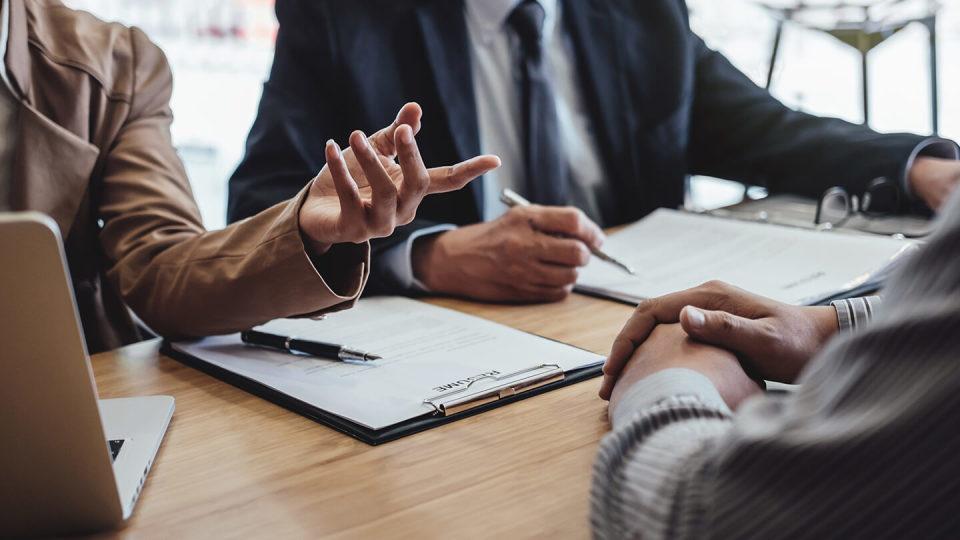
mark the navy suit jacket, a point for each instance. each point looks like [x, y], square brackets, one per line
[662, 104]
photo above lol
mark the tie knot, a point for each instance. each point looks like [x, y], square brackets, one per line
[527, 21]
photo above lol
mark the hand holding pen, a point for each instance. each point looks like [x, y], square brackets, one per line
[513, 199]
[530, 253]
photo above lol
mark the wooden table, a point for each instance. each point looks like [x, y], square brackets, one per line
[233, 465]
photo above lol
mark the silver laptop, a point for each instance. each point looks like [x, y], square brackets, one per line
[69, 462]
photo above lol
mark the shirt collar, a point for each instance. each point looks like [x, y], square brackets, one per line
[490, 16]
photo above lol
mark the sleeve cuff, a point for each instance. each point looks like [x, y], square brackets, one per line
[663, 385]
[343, 270]
[932, 147]
[398, 260]
[855, 312]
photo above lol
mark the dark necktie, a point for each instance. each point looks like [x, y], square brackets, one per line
[544, 165]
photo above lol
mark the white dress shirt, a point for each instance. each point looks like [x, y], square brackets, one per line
[496, 88]
[8, 112]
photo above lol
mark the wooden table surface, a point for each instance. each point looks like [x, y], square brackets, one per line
[233, 465]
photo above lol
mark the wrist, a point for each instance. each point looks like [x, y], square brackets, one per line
[932, 180]
[317, 249]
[920, 168]
[313, 247]
[660, 386]
[825, 321]
[424, 255]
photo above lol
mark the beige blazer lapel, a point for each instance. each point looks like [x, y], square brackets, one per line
[51, 168]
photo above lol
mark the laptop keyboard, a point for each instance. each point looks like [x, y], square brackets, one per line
[115, 448]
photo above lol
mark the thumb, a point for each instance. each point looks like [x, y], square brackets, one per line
[737, 334]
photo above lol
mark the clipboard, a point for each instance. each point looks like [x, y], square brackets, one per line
[448, 406]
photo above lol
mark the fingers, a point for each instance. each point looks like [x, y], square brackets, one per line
[568, 221]
[562, 251]
[736, 334]
[620, 353]
[551, 294]
[538, 293]
[384, 140]
[454, 177]
[416, 180]
[554, 276]
[663, 310]
[351, 206]
[382, 212]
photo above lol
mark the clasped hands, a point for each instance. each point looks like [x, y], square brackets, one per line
[732, 337]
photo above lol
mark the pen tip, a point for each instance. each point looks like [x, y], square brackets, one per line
[373, 357]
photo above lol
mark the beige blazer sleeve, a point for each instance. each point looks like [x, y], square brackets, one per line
[180, 279]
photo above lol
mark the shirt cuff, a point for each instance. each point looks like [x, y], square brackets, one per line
[932, 147]
[663, 385]
[853, 313]
[398, 260]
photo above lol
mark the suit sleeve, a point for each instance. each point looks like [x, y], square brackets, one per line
[296, 116]
[181, 280]
[739, 131]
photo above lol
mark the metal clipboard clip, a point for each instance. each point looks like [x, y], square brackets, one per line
[524, 380]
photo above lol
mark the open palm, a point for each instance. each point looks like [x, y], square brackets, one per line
[363, 193]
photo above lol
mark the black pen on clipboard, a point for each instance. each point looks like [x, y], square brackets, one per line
[319, 349]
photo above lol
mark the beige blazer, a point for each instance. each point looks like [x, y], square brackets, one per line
[93, 151]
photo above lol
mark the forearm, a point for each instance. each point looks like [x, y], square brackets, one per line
[662, 428]
[185, 282]
[739, 131]
[180, 279]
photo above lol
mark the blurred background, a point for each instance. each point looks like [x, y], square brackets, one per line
[220, 52]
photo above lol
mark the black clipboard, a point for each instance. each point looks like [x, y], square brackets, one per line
[372, 437]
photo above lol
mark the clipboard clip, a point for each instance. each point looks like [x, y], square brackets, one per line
[517, 382]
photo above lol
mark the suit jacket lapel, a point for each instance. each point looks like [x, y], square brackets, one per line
[597, 41]
[51, 168]
[448, 51]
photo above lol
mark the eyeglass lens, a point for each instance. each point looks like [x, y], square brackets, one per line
[834, 207]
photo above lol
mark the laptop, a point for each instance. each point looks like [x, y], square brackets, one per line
[69, 462]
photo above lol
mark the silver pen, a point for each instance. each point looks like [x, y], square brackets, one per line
[512, 199]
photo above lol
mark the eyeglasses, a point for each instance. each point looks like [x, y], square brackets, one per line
[837, 206]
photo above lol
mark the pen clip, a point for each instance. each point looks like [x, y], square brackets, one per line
[524, 380]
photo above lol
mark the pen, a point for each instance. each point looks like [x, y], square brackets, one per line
[313, 348]
[511, 198]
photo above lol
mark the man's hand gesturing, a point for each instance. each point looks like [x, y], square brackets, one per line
[362, 193]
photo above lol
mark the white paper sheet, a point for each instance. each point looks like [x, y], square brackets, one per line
[425, 349]
[673, 251]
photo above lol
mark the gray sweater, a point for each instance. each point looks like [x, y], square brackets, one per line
[869, 446]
